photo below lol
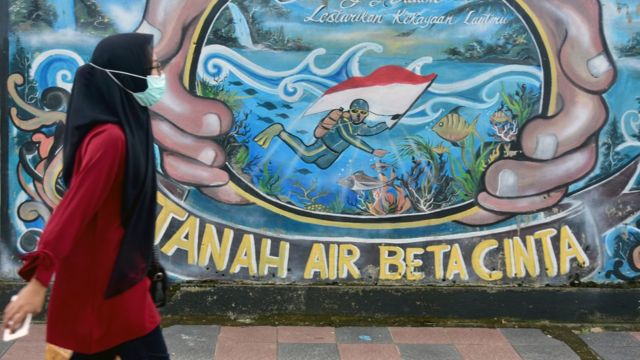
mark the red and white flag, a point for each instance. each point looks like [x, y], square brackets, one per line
[390, 90]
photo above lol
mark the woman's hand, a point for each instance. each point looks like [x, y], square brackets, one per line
[30, 301]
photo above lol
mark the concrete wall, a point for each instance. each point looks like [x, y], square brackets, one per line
[515, 165]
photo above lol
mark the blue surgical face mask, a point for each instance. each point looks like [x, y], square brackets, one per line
[156, 86]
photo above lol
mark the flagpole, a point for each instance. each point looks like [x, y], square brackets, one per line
[400, 116]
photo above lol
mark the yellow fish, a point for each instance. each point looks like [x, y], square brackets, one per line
[499, 117]
[440, 149]
[454, 128]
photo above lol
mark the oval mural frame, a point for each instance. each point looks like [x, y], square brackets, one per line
[548, 105]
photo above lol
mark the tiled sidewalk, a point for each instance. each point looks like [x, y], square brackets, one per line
[366, 343]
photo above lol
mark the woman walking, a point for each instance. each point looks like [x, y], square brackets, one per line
[99, 239]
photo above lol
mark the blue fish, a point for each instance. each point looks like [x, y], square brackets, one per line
[268, 105]
[265, 119]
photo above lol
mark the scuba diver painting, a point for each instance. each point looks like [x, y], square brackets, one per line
[391, 88]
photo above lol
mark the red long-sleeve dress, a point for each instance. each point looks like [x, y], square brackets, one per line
[80, 243]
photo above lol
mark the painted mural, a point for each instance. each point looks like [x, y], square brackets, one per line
[485, 142]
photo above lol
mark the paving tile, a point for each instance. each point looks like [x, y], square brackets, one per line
[29, 347]
[368, 352]
[251, 334]
[192, 342]
[635, 335]
[546, 351]
[306, 334]
[618, 352]
[366, 335]
[420, 335]
[610, 338]
[477, 336]
[4, 346]
[528, 337]
[428, 352]
[308, 352]
[231, 350]
[487, 352]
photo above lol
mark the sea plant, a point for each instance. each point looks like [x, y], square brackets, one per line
[467, 171]
[269, 181]
[426, 184]
[217, 90]
[389, 199]
[521, 104]
[235, 144]
[337, 206]
[309, 195]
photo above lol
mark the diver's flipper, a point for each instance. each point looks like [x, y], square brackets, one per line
[264, 138]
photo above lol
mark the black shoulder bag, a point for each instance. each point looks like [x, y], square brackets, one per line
[159, 281]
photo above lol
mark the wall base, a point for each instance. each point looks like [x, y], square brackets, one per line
[388, 305]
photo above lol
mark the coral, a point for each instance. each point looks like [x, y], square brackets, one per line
[426, 185]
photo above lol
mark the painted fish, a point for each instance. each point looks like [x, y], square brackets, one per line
[380, 166]
[454, 128]
[250, 91]
[499, 117]
[302, 132]
[287, 106]
[281, 115]
[359, 181]
[268, 105]
[265, 119]
[303, 171]
[236, 83]
[440, 149]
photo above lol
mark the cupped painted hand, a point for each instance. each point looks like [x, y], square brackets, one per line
[559, 148]
[184, 124]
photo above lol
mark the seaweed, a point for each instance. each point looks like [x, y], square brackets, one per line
[217, 90]
[426, 184]
[235, 144]
[467, 172]
[269, 182]
[337, 205]
[520, 104]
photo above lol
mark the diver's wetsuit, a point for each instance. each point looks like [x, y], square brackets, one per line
[326, 150]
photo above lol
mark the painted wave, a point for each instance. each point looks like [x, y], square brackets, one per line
[217, 62]
[55, 68]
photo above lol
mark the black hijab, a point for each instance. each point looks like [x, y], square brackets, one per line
[97, 99]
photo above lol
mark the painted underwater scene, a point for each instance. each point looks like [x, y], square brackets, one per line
[399, 116]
